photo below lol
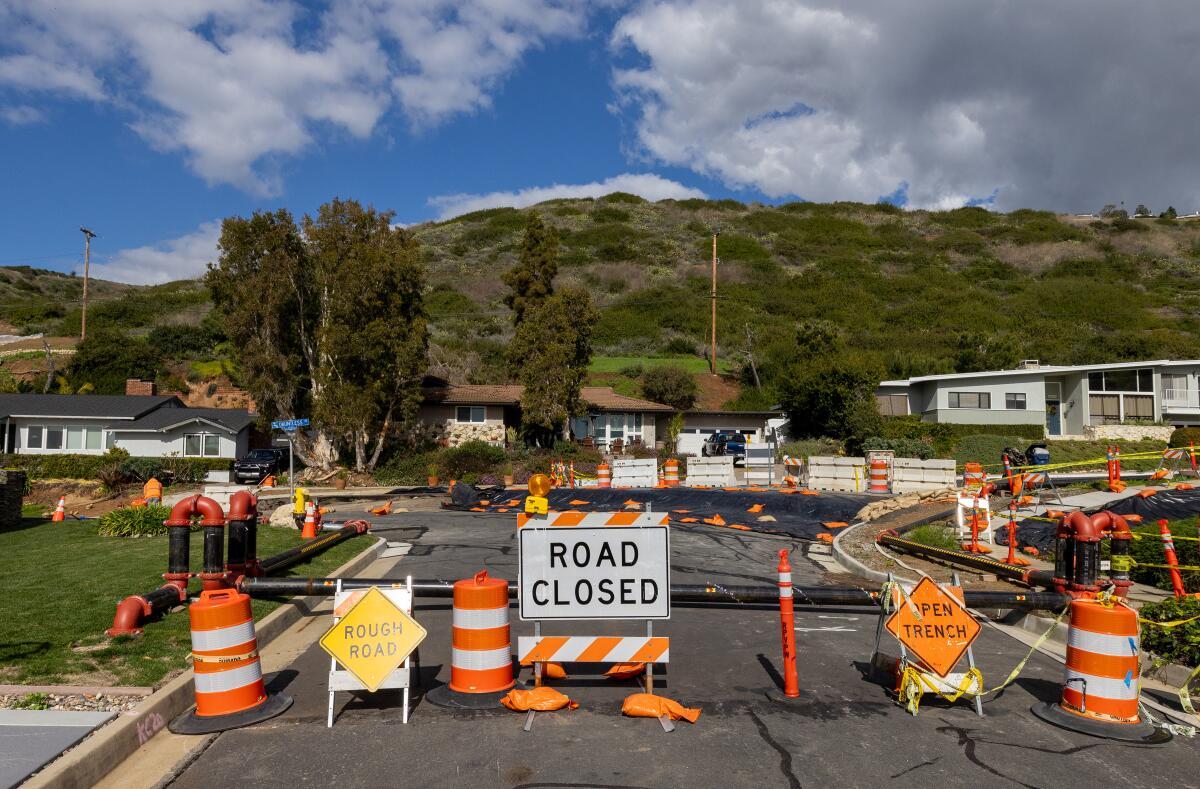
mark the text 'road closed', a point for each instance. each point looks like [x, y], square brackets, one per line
[595, 573]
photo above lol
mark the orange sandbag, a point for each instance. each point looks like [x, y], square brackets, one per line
[543, 699]
[756, 508]
[715, 520]
[578, 502]
[384, 510]
[807, 492]
[1055, 514]
[688, 520]
[478, 509]
[484, 502]
[646, 705]
[514, 502]
[630, 504]
[1116, 487]
[1184, 486]
[553, 671]
[738, 526]
[502, 509]
[1147, 493]
[834, 524]
[825, 537]
[1029, 549]
[626, 670]
[1132, 518]
[684, 512]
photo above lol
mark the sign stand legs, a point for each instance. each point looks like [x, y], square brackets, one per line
[665, 720]
[537, 679]
[971, 652]
[332, 662]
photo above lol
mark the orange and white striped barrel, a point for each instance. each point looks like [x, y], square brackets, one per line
[878, 479]
[225, 654]
[671, 473]
[604, 476]
[973, 476]
[1102, 662]
[481, 653]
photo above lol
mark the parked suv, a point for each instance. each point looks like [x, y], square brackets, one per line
[259, 464]
[723, 444]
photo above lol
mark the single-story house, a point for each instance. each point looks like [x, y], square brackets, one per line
[144, 426]
[1063, 398]
[456, 413]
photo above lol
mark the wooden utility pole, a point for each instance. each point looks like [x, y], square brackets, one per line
[712, 359]
[87, 259]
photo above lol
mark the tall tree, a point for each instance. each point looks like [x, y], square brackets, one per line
[531, 281]
[551, 352]
[327, 324]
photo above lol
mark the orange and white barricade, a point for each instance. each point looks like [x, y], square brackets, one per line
[481, 653]
[593, 649]
[877, 480]
[671, 473]
[229, 683]
[1101, 685]
[791, 468]
[603, 476]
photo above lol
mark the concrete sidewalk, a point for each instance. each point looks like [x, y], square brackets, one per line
[30, 739]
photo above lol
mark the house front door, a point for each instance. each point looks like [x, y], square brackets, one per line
[1053, 420]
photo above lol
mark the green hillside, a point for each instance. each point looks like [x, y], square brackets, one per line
[917, 292]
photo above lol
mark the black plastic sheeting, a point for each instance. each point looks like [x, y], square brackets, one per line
[1168, 504]
[794, 514]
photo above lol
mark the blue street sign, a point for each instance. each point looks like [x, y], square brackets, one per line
[289, 424]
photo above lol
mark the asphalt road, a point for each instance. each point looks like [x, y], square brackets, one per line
[846, 732]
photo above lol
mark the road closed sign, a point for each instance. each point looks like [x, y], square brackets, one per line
[606, 572]
[935, 627]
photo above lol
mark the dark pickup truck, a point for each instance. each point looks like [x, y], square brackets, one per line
[258, 465]
[725, 444]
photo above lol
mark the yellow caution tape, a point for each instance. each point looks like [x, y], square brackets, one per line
[1185, 695]
[1168, 567]
[1172, 623]
[913, 679]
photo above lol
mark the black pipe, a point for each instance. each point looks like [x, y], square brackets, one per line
[680, 593]
[239, 539]
[178, 550]
[162, 598]
[214, 550]
[1043, 578]
[280, 561]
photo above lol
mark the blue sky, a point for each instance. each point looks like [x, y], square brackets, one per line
[149, 122]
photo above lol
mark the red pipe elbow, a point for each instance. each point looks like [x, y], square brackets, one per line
[1107, 521]
[1081, 527]
[184, 510]
[243, 505]
[129, 615]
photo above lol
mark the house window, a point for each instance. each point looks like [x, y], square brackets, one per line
[1139, 407]
[34, 438]
[54, 438]
[201, 445]
[1014, 401]
[475, 414]
[1121, 381]
[970, 400]
[74, 438]
[110, 440]
[892, 404]
[91, 438]
[1105, 409]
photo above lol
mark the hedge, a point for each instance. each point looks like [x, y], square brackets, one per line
[38, 467]
[946, 436]
[1179, 644]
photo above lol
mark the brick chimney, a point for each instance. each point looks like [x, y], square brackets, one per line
[137, 387]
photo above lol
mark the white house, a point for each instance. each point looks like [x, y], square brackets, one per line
[1065, 399]
[144, 426]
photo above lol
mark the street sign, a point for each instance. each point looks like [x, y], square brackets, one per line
[605, 572]
[941, 633]
[289, 424]
[373, 638]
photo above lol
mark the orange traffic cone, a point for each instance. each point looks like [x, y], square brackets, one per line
[268, 482]
[310, 521]
[60, 512]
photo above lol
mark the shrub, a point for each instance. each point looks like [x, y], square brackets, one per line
[632, 370]
[670, 385]
[935, 535]
[903, 447]
[985, 449]
[411, 468]
[134, 521]
[1184, 436]
[472, 457]
[679, 345]
[1148, 550]
[610, 214]
[809, 448]
[39, 467]
[111, 476]
[1180, 644]
[622, 197]
[181, 342]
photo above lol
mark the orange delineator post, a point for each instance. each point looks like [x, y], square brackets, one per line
[787, 620]
[973, 546]
[60, 512]
[1013, 559]
[1172, 560]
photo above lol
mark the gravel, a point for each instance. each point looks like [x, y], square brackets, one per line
[76, 702]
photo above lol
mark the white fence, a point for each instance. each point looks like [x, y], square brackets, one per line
[907, 475]
[710, 472]
[835, 473]
[631, 473]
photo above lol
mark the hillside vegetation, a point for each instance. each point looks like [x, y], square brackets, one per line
[916, 292]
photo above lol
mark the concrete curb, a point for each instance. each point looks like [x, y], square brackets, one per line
[108, 746]
[852, 565]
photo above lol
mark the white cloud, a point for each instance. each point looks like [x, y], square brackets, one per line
[1066, 108]
[184, 257]
[647, 185]
[21, 115]
[237, 84]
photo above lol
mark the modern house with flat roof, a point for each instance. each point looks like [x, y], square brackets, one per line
[144, 426]
[1063, 398]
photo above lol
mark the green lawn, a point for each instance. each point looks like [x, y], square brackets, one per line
[62, 585]
[615, 364]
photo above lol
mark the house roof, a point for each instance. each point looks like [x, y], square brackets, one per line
[602, 398]
[120, 407]
[233, 420]
[727, 412]
[1045, 369]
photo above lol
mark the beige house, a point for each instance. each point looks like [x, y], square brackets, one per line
[456, 413]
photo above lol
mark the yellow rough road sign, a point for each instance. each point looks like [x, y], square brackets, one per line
[938, 631]
[373, 638]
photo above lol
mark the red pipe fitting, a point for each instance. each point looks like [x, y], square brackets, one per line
[183, 512]
[243, 505]
[129, 615]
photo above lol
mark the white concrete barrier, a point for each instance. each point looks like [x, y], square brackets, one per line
[710, 472]
[631, 473]
[760, 465]
[912, 475]
[835, 473]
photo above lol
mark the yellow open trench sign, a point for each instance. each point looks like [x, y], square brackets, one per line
[936, 627]
[373, 638]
